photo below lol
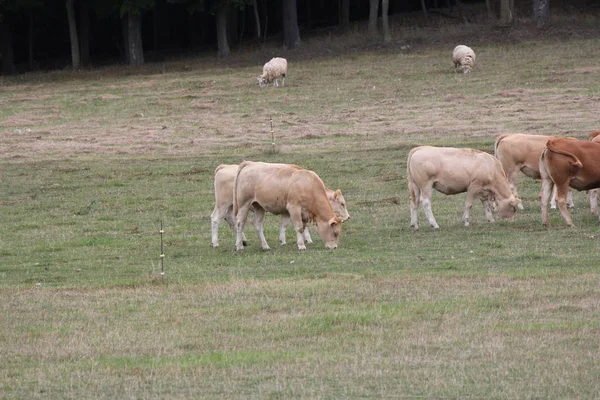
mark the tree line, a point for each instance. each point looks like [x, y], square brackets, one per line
[35, 30]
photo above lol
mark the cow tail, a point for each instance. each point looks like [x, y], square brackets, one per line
[497, 142]
[411, 189]
[576, 163]
[235, 186]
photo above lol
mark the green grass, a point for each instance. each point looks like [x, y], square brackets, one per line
[499, 311]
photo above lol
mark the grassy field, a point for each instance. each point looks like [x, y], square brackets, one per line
[92, 162]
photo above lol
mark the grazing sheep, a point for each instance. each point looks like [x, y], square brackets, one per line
[464, 58]
[272, 70]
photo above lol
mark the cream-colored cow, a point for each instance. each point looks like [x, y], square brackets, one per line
[224, 180]
[452, 170]
[519, 152]
[283, 189]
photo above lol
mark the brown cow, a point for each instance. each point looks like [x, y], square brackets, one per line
[568, 163]
[224, 180]
[593, 193]
[519, 152]
[451, 171]
[283, 189]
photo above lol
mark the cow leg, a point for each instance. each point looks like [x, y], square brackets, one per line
[561, 193]
[553, 200]
[285, 221]
[425, 200]
[593, 195]
[231, 221]
[307, 237]
[240, 221]
[487, 209]
[547, 188]
[513, 179]
[215, 220]
[296, 217]
[259, 216]
[219, 213]
[570, 203]
[468, 204]
[415, 194]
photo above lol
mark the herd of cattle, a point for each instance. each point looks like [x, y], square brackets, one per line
[299, 195]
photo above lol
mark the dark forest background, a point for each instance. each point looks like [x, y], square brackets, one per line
[51, 34]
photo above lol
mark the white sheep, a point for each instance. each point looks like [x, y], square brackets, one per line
[464, 58]
[272, 70]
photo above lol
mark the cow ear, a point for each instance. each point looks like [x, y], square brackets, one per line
[338, 193]
[334, 221]
[514, 201]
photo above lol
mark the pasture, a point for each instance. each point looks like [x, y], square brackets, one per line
[92, 162]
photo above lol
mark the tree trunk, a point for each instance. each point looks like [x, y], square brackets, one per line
[134, 47]
[345, 14]
[506, 13]
[84, 38]
[156, 16]
[256, 18]
[266, 19]
[424, 8]
[387, 36]
[222, 44]
[373, 11]
[124, 32]
[232, 25]
[291, 32]
[75, 57]
[488, 5]
[8, 60]
[541, 11]
[30, 41]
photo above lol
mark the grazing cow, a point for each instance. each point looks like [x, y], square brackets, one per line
[519, 152]
[450, 171]
[224, 180]
[283, 189]
[593, 193]
[568, 163]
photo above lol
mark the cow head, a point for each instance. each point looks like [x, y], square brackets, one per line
[338, 203]
[508, 207]
[330, 231]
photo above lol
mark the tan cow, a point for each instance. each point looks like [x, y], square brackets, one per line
[224, 180]
[519, 152]
[568, 163]
[283, 189]
[450, 171]
[593, 193]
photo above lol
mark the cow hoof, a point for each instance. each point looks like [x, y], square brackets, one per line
[283, 243]
[266, 248]
[215, 244]
[238, 248]
[301, 247]
[309, 241]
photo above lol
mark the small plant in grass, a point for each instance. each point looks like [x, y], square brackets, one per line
[273, 149]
